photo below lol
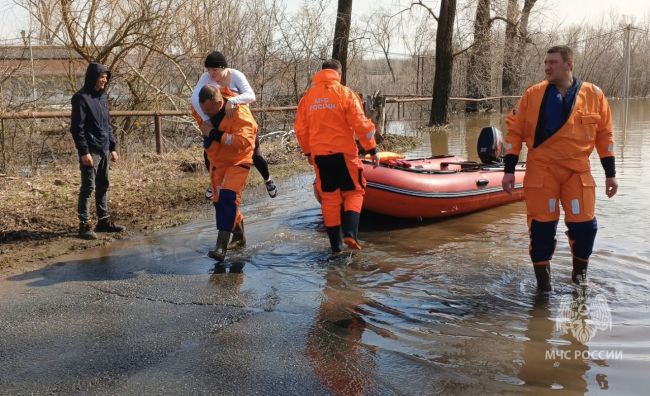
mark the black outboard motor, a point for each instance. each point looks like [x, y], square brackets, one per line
[490, 145]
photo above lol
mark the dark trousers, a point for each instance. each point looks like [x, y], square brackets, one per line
[258, 160]
[94, 178]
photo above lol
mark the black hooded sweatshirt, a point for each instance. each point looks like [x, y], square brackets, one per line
[91, 123]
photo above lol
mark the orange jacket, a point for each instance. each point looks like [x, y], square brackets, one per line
[588, 126]
[328, 117]
[196, 116]
[238, 140]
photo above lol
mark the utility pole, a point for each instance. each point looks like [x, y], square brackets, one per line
[31, 53]
[422, 76]
[33, 123]
[626, 78]
[417, 78]
[31, 60]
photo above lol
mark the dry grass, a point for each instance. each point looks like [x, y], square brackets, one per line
[399, 144]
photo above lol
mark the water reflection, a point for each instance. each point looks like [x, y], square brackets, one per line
[550, 363]
[334, 348]
[439, 142]
[228, 278]
[498, 238]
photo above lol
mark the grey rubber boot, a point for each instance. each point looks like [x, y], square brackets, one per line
[238, 238]
[221, 247]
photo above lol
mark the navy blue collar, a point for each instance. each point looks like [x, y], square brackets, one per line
[555, 110]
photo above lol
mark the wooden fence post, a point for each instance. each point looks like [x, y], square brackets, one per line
[158, 132]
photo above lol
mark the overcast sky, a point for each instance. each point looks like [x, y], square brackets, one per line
[14, 18]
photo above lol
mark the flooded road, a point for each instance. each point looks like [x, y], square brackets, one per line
[445, 307]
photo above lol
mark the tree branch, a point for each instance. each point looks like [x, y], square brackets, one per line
[464, 50]
[429, 10]
[498, 18]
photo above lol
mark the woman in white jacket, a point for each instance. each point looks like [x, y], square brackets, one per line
[221, 75]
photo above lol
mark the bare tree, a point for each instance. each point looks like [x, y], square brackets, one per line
[479, 67]
[48, 16]
[342, 35]
[444, 61]
[303, 45]
[105, 31]
[420, 40]
[509, 48]
[516, 40]
[444, 58]
[382, 31]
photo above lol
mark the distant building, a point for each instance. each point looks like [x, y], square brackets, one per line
[59, 71]
[49, 60]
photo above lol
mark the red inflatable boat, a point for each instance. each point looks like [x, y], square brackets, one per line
[441, 186]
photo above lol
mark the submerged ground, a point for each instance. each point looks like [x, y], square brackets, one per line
[426, 308]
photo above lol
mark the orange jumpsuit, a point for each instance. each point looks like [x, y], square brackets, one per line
[558, 169]
[230, 161]
[328, 117]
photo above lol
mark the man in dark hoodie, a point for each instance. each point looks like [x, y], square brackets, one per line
[93, 136]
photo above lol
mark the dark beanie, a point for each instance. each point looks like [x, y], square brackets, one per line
[216, 59]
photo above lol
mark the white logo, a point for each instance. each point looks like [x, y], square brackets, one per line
[583, 318]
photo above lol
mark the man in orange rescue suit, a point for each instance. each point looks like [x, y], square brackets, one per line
[229, 143]
[329, 115]
[561, 119]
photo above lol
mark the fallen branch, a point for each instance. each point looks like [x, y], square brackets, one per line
[284, 133]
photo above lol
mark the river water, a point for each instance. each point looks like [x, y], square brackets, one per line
[434, 307]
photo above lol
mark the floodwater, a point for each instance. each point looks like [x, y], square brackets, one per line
[444, 307]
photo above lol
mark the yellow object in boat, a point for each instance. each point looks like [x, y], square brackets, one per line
[385, 156]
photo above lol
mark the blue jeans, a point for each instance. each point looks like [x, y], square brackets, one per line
[94, 178]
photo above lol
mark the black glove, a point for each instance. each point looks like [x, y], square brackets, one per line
[214, 135]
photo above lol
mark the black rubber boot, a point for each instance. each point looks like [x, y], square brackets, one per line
[579, 274]
[86, 231]
[238, 238]
[221, 247]
[543, 276]
[107, 225]
[271, 188]
[334, 234]
[351, 229]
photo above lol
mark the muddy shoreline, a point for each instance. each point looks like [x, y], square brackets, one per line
[38, 221]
